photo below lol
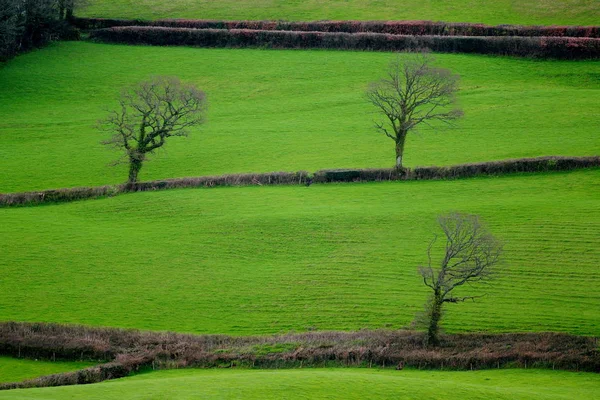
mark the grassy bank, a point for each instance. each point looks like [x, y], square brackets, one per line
[270, 259]
[278, 110]
[15, 370]
[529, 12]
[332, 384]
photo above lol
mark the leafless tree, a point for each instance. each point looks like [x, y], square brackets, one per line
[414, 92]
[470, 255]
[149, 114]
[66, 8]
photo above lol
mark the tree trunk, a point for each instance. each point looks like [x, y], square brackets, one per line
[434, 320]
[69, 10]
[400, 150]
[135, 165]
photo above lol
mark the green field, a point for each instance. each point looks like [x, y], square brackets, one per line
[16, 370]
[277, 259]
[278, 110]
[333, 384]
[260, 260]
[542, 12]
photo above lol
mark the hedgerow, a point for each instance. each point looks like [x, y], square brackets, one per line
[390, 27]
[130, 350]
[537, 47]
[522, 165]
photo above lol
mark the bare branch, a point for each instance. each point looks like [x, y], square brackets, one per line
[413, 92]
[151, 112]
[471, 254]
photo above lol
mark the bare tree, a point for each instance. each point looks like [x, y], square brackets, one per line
[414, 92]
[149, 114]
[470, 255]
[66, 8]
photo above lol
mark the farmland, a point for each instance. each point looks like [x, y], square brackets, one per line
[333, 384]
[13, 370]
[528, 12]
[273, 259]
[279, 110]
[294, 261]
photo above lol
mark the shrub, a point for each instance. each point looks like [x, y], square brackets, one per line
[131, 350]
[540, 47]
[523, 165]
[391, 27]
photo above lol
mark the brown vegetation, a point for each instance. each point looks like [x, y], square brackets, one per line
[391, 27]
[125, 351]
[568, 48]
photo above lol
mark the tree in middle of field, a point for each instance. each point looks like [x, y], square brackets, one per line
[414, 92]
[471, 254]
[149, 114]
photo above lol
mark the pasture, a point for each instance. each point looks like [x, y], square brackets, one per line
[525, 12]
[14, 370]
[333, 384]
[277, 259]
[278, 110]
[259, 260]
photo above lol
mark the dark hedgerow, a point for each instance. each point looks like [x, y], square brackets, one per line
[390, 27]
[538, 47]
[523, 165]
[123, 351]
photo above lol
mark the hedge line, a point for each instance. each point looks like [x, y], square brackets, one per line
[131, 350]
[539, 47]
[80, 193]
[522, 165]
[390, 27]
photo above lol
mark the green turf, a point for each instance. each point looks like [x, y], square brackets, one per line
[543, 12]
[333, 384]
[273, 259]
[15, 370]
[278, 110]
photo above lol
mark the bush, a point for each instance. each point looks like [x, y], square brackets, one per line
[539, 47]
[74, 194]
[391, 27]
[523, 165]
[131, 350]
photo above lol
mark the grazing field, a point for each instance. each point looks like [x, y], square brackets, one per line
[529, 12]
[278, 110]
[273, 259]
[15, 370]
[333, 384]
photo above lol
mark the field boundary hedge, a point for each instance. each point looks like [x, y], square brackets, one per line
[131, 350]
[494, 168]
[566, 48]
[390, 27]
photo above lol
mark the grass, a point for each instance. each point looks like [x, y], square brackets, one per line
[332, 384]
[542, 12]
[278, 110]
[273, 259]
[15, 370]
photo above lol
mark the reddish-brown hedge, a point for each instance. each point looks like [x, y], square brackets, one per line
[129, 350]
[390, 27]
[539, 47]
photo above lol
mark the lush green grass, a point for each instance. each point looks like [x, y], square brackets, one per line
[543, 12]
[332, 384]
[278, 110]
[273, 259]
[15, 370]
